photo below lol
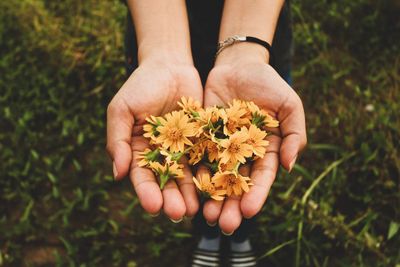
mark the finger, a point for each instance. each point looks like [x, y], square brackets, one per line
[293, 130]
[120, 121]
[231, 216]
[262, 175]
[174, 204]
[212, 208]
[188, 190]
[143, 179]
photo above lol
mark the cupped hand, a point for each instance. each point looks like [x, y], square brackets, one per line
[251, 79]
[152, 89]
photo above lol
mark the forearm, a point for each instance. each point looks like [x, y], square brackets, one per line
[162, 30]
[256, 18]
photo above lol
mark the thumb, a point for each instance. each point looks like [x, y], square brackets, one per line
[293, 130]
[120, 123]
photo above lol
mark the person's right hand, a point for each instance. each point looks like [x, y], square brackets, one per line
[154, 88]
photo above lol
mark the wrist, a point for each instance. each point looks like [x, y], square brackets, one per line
[243, 52]
[164, 53]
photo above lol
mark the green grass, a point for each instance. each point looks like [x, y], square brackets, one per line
[62, 61]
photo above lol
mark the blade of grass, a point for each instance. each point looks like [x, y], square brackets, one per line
[275, 249]
[305, 198]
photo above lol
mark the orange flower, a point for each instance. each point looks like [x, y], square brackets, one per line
[212, 150]
[229, 166]
[167, 171]
[150, 129]
[147, 156]
[174, 131]
[234, 117]
[189, 105]
[196, 153]
[236, 148]
[256, 140]
[232, 182]
[204, 185]
[269, 121]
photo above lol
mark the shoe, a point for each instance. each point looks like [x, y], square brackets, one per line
[205, 258]
[242, 259]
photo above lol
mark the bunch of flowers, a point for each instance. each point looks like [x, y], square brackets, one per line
[222, 139]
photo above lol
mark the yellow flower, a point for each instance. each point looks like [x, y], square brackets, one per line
[196, 153]
[206, 120]
[269, 121]
[204, 185]
[190, 105]
[167, 171]
[253, 108]
[236, 148]
[256, 140]
[262, 119]
[212, 150]
[229, 166]
[174, 133]
[150, 129]
[171, 156]
[234, 117]
[232, 182]
[147, 156]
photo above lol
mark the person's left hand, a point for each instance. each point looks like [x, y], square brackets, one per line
[241, 72]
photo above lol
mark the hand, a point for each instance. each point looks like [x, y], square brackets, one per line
[153, 89]
[250, 78]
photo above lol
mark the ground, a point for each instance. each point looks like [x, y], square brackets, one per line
[62, 61]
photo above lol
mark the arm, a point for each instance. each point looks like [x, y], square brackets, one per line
[165, 74]
[256, 18]
[162, 30]
[241, 71]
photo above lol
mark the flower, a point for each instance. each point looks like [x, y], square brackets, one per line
[150, 128]
[167, 171]
[207, 121]
[228, 166]
[236, 148]
[262, 119]
[253, 108]
[196, 153]
[205, 185]
[190, 106]
[232, 182]
[147, 156]
[234, 117]
[269, 121]
[174, 133]
[212, 150]
[256, 140]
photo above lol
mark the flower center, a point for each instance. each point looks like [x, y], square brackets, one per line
[251, 141]
[234, 148]
[212, 148]
[175, 134]
[231, 125]
[209, 188]
[231, 180]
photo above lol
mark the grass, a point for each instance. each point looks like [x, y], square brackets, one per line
[62, 61]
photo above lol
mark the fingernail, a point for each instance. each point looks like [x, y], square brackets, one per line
[189, 217]
[292, 163]
[115, 171]
[176, 221]
[227, 234]
[154, 214]
[211, 224]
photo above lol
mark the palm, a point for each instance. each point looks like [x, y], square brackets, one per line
[151, 91]
[261, 84]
